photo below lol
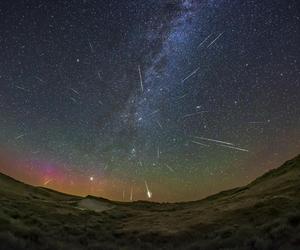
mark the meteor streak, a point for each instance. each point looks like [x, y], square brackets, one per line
[40, 79]
[190, 75]
[149, 193]
[20, 136]
[199, 143]
[91, 47]
[168, 167]
[159, 124]
[141, 79]
[75, 91]
[47, 181]
[131, 194]
[73, 99]
[204, 40]
[215, 39]
[192, 114]
[22, 88]
[213, 140]
[236, 148]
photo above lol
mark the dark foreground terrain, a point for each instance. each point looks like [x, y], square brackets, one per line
[262, 215]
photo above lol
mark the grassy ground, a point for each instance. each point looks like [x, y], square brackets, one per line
[263, 215]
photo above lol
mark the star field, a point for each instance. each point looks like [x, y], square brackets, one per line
[162, 100]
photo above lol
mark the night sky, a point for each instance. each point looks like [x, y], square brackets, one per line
[148, 99]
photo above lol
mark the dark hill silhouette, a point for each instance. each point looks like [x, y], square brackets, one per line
[264, 214]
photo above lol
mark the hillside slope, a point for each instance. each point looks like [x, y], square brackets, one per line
[262, 215]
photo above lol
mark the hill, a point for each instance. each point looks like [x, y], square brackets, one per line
[262, 215]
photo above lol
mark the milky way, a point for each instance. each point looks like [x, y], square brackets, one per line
[161, 100]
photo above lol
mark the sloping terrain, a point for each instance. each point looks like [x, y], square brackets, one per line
[262, 215]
